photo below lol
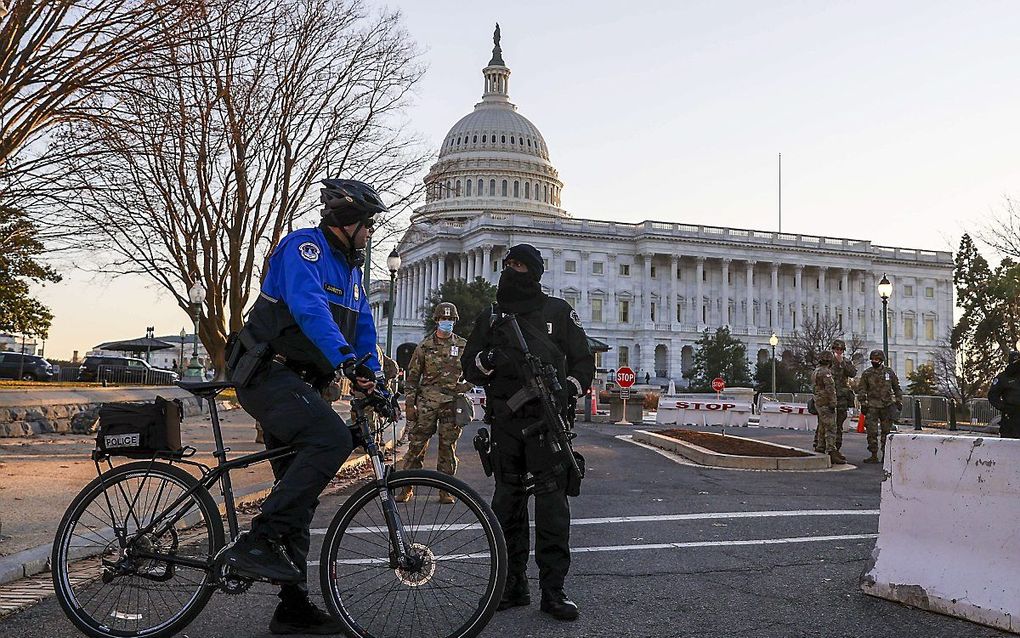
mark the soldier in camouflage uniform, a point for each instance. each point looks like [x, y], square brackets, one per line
[434, 379]
[842, 371]
[881, 400]
[825, 404]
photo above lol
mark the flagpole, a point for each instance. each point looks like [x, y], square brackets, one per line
[780, 192]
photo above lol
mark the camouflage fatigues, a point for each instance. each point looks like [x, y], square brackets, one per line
[825, 403]
[879, 393]
[842, 372]
[433, 383]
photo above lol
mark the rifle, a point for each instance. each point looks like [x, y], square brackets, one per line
[541, 383]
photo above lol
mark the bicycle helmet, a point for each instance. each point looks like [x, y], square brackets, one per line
[348, 201]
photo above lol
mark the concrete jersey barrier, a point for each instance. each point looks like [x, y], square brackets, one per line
[787, 415]
[948, 528]
[703, 409]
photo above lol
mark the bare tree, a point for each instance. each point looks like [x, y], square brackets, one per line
[57, 55]
[816, 336]
[198, 173]
[961, 373]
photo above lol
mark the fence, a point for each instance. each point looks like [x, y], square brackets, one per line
[934, 410]
[134, 375]
[979, 412]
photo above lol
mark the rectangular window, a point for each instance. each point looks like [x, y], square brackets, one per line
[679, 272]
[704, 275]
[908, 291]
[625, 270]
[729, 277]
[929, 292]
[862, 286]
[495, 265]
[652, 271]
[598, 268]
[571, 299]
[624, 311]
[839, 320]
[679, 313]
[652, 313]
[570, 265]
[908, 366]
[908, 327]
[596, 310]
[929, 329]
[545, 262]
[624, 356]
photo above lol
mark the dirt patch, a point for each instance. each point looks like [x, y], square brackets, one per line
[730, 444]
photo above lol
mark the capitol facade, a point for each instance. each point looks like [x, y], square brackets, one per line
[646, 289]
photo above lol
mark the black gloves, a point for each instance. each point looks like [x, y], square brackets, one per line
[494, 358]
[354, 370]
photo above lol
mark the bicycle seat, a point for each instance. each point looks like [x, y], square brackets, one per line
[205, 389]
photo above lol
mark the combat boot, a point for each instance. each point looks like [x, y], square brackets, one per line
[516, 593]
[556, 604]
[837, 458]
[403, 495]
[873, 458]
[446, 498]
[255, 555]
[301, 616]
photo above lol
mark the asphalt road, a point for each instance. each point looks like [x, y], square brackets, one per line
[717, 553]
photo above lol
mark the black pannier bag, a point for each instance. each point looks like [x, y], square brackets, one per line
[140, 430]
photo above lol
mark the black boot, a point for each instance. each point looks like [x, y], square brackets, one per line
[516, 593]
[556, 604]
[299, 616]
[256, 556]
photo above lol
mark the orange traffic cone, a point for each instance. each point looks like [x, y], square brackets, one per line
[860, 423]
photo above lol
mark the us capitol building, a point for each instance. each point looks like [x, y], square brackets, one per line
[646, 289]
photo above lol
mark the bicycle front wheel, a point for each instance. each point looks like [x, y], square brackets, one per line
[462, 553]
[101, 578]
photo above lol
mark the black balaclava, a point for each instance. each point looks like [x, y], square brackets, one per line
[521, 291]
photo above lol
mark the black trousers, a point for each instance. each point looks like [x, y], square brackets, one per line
[1009, 426]
[291, 412]
[515, 457]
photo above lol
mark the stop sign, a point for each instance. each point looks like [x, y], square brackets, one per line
[718, 384]
[625, 377]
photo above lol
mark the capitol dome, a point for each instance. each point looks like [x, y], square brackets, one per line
[493, 159]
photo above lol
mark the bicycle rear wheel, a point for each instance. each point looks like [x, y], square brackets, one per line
[460, 582]
[103, 589]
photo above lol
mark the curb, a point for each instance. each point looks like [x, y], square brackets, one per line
[706, 457]
[36, 560]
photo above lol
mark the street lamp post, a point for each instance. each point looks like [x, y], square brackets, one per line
[885, 291]
[773, 341]
[180, 361]
[393, 264]
[150, 333]
[196, 295]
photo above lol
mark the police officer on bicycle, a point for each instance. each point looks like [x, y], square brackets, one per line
[521, 462]
[311, 322]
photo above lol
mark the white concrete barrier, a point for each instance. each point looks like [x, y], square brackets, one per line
[787, 415]
[949, 528]
[695, 409]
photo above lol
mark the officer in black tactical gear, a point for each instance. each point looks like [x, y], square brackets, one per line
[310, 324]
[1004, 395]
[522, 463]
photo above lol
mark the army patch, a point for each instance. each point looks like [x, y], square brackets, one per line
[333, 289]
[577, 319]
[309, 251]
[548, 326]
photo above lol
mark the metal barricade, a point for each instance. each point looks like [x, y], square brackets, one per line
[124, 375]
[934, 410]
[979, 412]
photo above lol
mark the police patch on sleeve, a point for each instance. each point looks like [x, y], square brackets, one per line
[575, 318]
[309, 251]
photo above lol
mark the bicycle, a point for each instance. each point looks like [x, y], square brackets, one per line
[136, 552]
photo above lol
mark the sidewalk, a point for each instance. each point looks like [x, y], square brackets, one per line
[40, 475]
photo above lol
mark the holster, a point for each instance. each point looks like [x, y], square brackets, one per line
[482, 444]
[246, 357]
[574, 482]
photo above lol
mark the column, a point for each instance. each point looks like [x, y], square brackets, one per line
[699, 303]
[554, 266]
[584, 301]
[847, 319]
[470, 265]
[750, 298]
[646, 289]
[725, 292]
[823, 293]
[399, 310]
[674, 301]
[487, 262]
[798, 282]
[442, 268]
[775, 297]
[463, 274]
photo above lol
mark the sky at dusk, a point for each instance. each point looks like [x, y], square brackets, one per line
[897, 121]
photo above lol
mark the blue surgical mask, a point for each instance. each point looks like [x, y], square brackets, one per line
[446, 326]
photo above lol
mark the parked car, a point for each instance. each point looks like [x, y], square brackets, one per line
[477, 397]
[29, 366]
[123, 370]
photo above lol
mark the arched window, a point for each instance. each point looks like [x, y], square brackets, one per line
[529, 143]
[474, 140]
[504, 188]
[545, 193]
[457, 189]
[527, 190]
[517, 188]
[483, 139]
[447, 189]
[481, 188]
[504, 139]
[492, 188]
[512, 139]
[468, 185]
[538, 194]
[458, 141]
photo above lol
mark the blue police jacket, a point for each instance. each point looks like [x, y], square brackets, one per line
[313, 307]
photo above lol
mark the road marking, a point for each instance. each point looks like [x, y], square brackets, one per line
[676, 458]
[648, 546]
[636, 519]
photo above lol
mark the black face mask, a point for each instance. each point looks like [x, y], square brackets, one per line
[518, 291]
[876, 364]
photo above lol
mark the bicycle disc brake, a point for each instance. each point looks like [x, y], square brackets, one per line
[423, 574]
